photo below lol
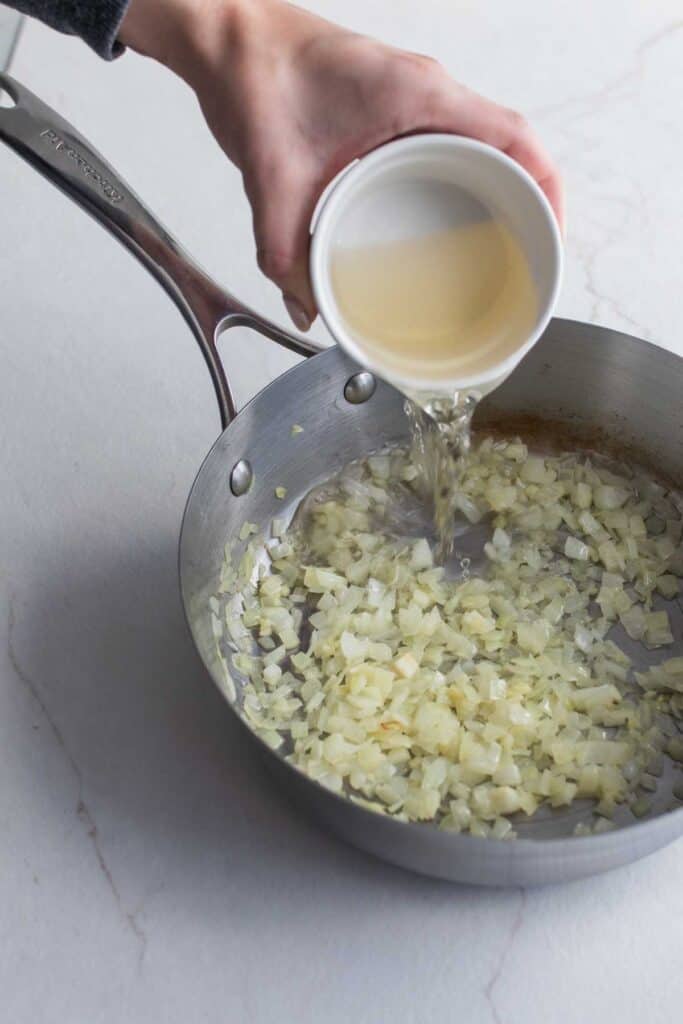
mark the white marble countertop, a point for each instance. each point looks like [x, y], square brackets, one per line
[148, 872]
[10, 23]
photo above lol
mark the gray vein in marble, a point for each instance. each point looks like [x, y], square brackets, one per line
[82, 810]
[579, 106]
[588, 256]
[505, 952]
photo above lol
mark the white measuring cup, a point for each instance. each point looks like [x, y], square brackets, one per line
[424, 184]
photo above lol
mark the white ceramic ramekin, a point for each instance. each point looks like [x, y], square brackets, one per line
[404, 188]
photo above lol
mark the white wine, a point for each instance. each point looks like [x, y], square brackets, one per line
[438, 306]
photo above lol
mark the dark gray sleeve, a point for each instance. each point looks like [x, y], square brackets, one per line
[97, 22]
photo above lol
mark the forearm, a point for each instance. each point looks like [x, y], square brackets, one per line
[177, 33]
[198, 39]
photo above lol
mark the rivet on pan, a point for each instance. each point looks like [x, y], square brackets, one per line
[241, 478]
[359, 388]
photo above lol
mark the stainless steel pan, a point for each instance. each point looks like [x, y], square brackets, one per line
[582, 384]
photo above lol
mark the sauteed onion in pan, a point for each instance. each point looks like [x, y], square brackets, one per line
[472, 694]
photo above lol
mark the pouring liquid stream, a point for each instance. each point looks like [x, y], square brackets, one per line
[449, 305]
[440, 427]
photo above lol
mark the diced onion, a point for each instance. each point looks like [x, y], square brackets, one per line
[464, 701]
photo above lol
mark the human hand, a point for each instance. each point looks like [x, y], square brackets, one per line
[292, 99]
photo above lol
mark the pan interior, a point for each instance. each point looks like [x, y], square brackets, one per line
[539, 403]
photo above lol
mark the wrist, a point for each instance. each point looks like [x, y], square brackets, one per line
[184, 35]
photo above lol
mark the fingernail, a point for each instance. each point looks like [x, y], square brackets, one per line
[299, 316]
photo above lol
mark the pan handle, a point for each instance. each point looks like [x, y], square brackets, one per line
[58, 152]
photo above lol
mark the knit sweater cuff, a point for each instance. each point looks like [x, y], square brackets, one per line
[97, 22]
